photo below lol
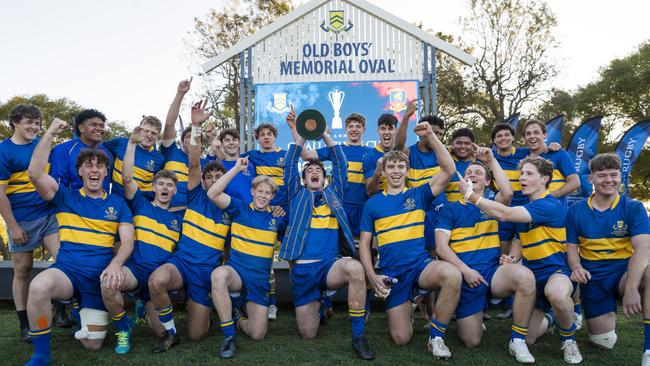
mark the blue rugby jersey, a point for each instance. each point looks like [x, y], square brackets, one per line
[474, 236]
[240, 186]
[355, 194]
[26, 203]
[204, 230]
[146, 164]
[88, 227]
[422, 166]
[563, 168]
[543, 241]
[63, 164]
[453, 191]
[156, 232]
[369, 165]
[272, 165]
[605, 237]
[178, 162]
[323, 235]
[253, 235]
[510, 165]
[398, 222]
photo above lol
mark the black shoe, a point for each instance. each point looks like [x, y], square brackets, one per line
[24, 335]
[167, 341]
[228, 347]
[486, 316]
[505, 314]
[60, 318]
[362, 348]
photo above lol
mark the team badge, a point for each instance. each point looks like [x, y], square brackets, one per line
[111, 213]
[620, 228]
[336, 22]
[409, 204]
[225, 219]
[280, 162]
[174, 225]
[397, 98]
[621, 188]
[280, 104]
[150, 166]
[272, 226]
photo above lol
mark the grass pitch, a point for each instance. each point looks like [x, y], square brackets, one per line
[283, 346]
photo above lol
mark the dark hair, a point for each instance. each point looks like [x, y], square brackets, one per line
[606, 161]
[433, 121]
[166, 173]
[463, 132]
[268, 126]
[88, 154]
[213, 166]
[85, 115]
[543, 166]
[187, 130]
[231, 131]
[356, 117]
[23, 111]
[533, 121]
[311, 162]
[500, 127]
[387, 119]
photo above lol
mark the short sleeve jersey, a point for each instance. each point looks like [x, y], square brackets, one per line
[563, 167]
[63, 164]
[422, 166]
[370, 164]
[355, 195]
[146, 164]
[510, 165]
[271, 164]
[26, 203]
[253, 236]
[453, 191]
[240, 186]
[88, 227]
[156, 232]
[398, 222]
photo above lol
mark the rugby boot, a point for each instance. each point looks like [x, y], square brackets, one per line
[571, 352]
[168, 340]
[228, 347]
[123, 344]
[438, 348]
[519, 349]
[362, 348]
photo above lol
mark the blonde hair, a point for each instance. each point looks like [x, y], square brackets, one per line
[261, 179]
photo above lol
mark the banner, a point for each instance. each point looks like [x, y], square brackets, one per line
[629, 148]
[554, 130]
[513, 121]
[582, 148]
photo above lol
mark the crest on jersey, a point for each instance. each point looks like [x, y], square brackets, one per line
[111, 213]
[397, 99]
[280, 104]
[620, 228]
[409, 204]
[225, 219]
[151, 165]
[280, 162]
[336, 22]
[174, 225]
[272, 226]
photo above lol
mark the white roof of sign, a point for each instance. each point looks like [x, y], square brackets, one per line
[362, 4]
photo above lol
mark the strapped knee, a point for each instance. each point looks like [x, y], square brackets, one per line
[605, 340]
[92, 317]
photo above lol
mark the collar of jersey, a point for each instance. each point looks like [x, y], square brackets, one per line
[81, 192]
[268, 209]
[512, 151]
[614, 204]
[404, 189]
[379, 148]
[546, 193]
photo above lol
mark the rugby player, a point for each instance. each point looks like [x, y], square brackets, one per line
[240, 186]
[462, 140]
[372, 163]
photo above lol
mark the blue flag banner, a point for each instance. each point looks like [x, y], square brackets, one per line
[582, 147]
[629, 148]
[513, 121]
[554, 130]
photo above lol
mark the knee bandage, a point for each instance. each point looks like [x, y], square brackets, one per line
[605, 340]
[92, 317]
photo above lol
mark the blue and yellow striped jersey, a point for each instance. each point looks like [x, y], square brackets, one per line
[355, 195]
[178, 162]
[63, 164]
[422, 166]
[510, 165]
[156, 232]
[272, 165]
[398, 222]
[543, 241]
[453, 191]
[88, 227]
[563, 168]
[146, 164]
[606, 236]
[323, 235]
[204, 230]
[370, 164]
[252, 236]
[26, 204]
[474, 236]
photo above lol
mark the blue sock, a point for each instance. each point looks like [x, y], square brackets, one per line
[228, 328]
[567, 334]
[550, 317]
[437, 329]
[646, 335]
[577, 308]
[357, 316]
[272, 300]
[122, 322]
[41, 342]
[166, 316]
[327, 302]
[140, 310]
[517, 332]
[74, 314]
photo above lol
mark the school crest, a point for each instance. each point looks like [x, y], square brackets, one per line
[280, 162]
[397, 99]
[280, 104]
[336, 22]
[619, 228]
[111, 214]
[225, 219]
[150, 165]
[174, 225]
[272, 226]
[409, 204]
[621, 188]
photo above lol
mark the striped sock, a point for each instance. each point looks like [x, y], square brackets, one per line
[517, 332]
[41, 342]
[272, 300]
[228, 328]
[74, 313]
[577, 307]
[567, 334]
[166, 316]
[121, 321]
[646, 336]
[357, 316]
[437, 329]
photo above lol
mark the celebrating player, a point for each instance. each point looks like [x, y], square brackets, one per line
[372, 168]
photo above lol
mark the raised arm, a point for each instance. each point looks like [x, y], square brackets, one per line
[130, 186]
[439, 181]
[492, 208]
[502, 181]
[402, 130]
[339, 165]
[169, 133]
[199, 115]
[45, 185]
[216, 194]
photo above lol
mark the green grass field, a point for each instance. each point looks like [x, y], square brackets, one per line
[283, 346]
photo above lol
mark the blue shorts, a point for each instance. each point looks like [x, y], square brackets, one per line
[354, 217]
[309, 281]
[85, 284]
[141, 275]
[407, 287]
[196, 279]
[36, 230]
[600, 293]
[541, 302]
[255, 285]
[474, 300]
[507, 230]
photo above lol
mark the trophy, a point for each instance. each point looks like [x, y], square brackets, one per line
[336, 98]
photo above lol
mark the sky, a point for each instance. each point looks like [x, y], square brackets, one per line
[125, 57]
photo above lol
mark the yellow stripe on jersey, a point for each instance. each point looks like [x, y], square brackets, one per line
[465, 239]
[403, 234]
[558, 181]
[84, 223]
[159, 235]
[542, 242]
[19, 182]
[453, 192]
[213, 233]
[322, 218]
[390, 229]
[605, 248]
[355, 172]
[244, 240]
[249, 248]
[417, 177]
[403, 219]
[513, 176]
[274, 172]
[179, 168]
[144, 177]
[202, 237]
[86, 237]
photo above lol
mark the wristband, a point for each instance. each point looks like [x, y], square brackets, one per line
[477, 201]
[196, 132]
